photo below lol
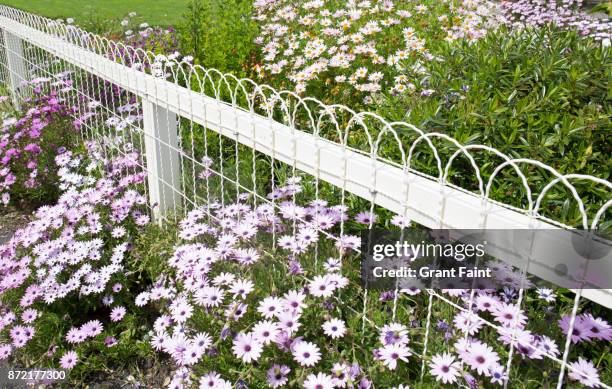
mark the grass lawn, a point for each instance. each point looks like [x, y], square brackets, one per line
[154, 12]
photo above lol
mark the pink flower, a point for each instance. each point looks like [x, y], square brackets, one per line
[444, 368]
[584, 372]
[306, 353]
[580, 331]
[69, 360]
[110, 341]
[29, 315]
[481, 358]
[247, 347]
[391, 354]
[117, 313]
[33, 148]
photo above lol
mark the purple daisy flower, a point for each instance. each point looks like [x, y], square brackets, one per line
[277, 375]
[366, 218]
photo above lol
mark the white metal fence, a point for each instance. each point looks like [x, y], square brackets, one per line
[190, 121]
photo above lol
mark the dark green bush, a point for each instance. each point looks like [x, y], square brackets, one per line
[541, 94]
[538, 93]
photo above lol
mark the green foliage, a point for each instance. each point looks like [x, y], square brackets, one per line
[538, 93]
[541, 94]
[151, 249]
[219, 34]
[605, 7]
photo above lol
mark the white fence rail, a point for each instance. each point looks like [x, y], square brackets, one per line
[291, 130]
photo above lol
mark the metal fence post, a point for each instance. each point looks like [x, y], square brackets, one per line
[16, 66]
[162, 158]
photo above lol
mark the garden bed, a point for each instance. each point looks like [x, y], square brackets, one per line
[242, 271]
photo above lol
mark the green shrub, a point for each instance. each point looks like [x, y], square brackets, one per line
[219, 34]
[541, 94]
